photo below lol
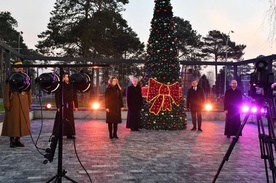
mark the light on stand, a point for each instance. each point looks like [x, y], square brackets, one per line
[19, 81]
[48, 82]
[81, 82]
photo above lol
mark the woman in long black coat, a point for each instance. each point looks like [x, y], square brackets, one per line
[134, 105]
[113, 106]
[232, 105]
[70, 101]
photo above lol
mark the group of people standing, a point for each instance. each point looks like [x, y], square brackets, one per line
[114, 106]
[195, 104]
[232, 104]
[17, 105]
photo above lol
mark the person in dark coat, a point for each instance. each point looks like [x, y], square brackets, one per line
[17, 106]
[134, 105]
[70, 101]
[232, 104]
[195, 103]
[113, 106]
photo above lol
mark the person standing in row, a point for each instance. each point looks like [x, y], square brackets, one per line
[232, 104]
[195, 103]
[113, 106]
[134, 105]
[17, 119]
[70, 103]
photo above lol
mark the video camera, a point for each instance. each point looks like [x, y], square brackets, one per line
[260, 81]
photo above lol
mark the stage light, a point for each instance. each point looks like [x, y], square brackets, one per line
[245, 108]
[95, 105]
[254, 109]
[81, 82]
[208, 107]
[48, 81]
[48, 106]
[263, 110]
[261, 65]
[19, 81]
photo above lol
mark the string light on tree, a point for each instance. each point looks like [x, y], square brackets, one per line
[162, 94]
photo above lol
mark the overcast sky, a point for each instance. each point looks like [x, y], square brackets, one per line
[247, 18]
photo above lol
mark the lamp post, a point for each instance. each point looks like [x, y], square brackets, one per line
[19, 35]
[226, 57]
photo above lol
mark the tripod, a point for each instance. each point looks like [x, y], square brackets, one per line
[266, 140]
[60, 172]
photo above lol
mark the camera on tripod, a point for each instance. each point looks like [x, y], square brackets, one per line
[260, 82]
[263, 91]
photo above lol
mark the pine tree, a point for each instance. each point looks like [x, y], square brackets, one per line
[163, 109]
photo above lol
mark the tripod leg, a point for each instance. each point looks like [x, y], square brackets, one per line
[263, 145]
[58, 179]
[50, 180]
[68, 178]
[231, 147]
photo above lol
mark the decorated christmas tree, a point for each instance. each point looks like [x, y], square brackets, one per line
[163, 101]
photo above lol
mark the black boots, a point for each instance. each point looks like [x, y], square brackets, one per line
[110, 130]
[12, 142]
[15, 142]
[115, 136]
[115, 127]
[18, 143]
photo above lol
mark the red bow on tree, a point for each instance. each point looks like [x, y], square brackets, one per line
[161, 95]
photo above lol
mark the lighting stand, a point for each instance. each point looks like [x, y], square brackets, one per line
[266, 144]
[61, 173]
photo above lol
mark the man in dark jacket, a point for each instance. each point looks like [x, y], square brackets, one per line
[70, 101]
[195, 103]
[134, 104]
[232, 103]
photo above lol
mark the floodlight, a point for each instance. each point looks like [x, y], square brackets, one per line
[245, 108]
[49, 82]
[261, 65]
[254, 109]
[95, 105]
[19, 81]
[208, 107]
[48, 106]
[81, 82]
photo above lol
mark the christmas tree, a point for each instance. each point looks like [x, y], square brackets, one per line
[163, 101]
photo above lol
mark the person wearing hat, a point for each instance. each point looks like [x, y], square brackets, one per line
[17, 104]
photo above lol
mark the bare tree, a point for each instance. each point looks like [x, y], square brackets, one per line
[271, 14]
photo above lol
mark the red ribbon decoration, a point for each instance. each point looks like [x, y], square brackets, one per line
[161, 95]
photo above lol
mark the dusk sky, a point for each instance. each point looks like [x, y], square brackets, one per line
[247, 18]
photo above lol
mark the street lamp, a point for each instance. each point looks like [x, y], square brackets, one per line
[19, 35]
[226, 57]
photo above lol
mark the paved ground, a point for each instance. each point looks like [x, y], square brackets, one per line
[145, 156]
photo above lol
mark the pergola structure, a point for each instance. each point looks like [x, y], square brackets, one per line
[12, 52]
